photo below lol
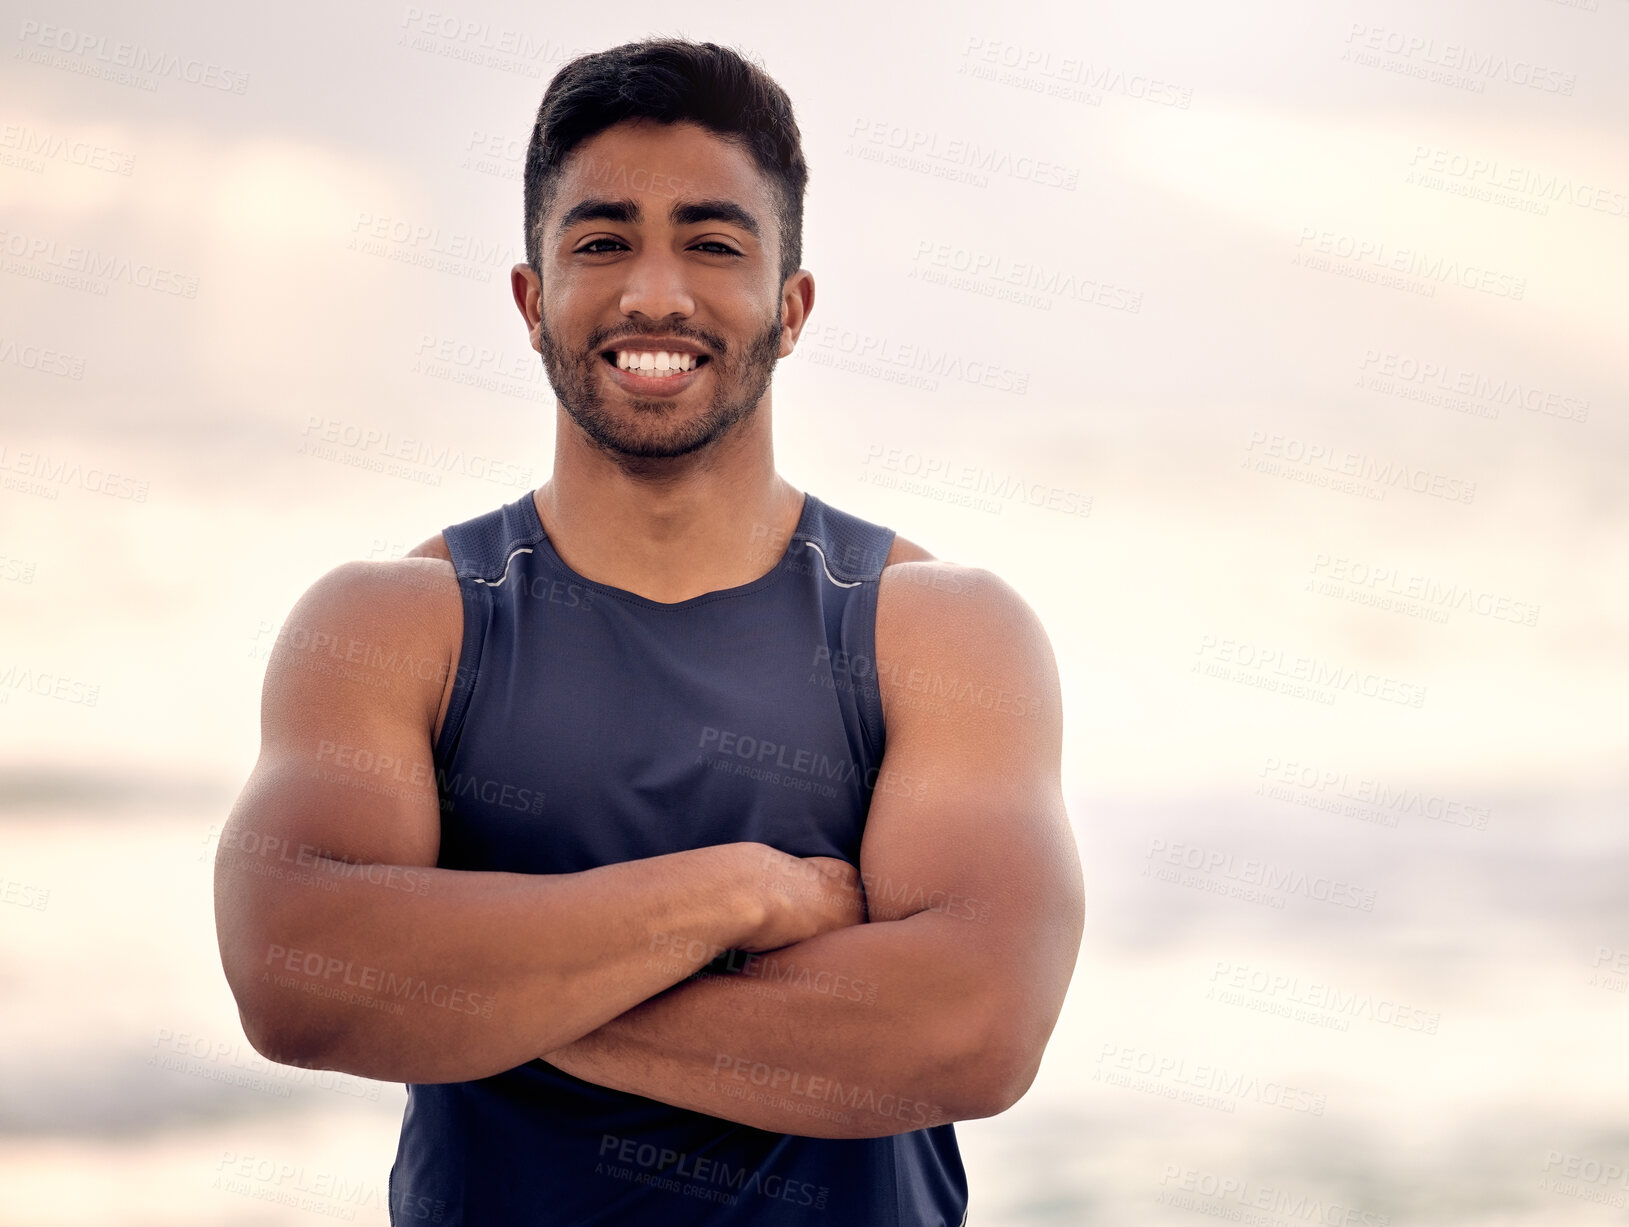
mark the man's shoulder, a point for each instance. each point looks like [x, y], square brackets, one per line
[904, 550]
[911, 572]
[433, 547]
[410, 593]
[944, 629]
[487, 538]
[930, 605]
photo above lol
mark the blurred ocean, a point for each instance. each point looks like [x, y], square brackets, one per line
[1436, 1040]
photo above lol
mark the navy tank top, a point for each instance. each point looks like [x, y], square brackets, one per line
[587, 726]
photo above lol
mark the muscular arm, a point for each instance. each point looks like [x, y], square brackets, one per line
[940, 1007]
[343, 945]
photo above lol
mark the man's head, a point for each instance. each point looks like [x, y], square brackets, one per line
[664, 198]
[668, 80]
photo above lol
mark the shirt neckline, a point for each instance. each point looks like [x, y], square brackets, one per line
[805, 517]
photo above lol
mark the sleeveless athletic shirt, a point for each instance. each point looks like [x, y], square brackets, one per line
[587, 726]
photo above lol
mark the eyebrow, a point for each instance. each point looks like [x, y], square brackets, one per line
[683, 213]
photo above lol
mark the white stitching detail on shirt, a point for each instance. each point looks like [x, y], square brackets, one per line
[840, 583]
[498, 583]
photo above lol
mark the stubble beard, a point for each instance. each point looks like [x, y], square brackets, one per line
[653, 429]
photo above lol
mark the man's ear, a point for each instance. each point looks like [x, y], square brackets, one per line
[527, 288]
[797, 300]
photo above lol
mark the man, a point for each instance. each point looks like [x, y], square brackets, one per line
[578, 820]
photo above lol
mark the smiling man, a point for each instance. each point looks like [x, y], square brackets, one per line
[694, 850]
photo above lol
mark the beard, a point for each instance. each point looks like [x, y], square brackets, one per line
[657, 429]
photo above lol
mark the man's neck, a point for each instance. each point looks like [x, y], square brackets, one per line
[669, 539]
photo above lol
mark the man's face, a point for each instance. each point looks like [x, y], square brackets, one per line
[652, 236]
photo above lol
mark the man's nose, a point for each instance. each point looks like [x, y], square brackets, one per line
[657, 287]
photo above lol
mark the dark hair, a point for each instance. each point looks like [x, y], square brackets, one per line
[669, 80]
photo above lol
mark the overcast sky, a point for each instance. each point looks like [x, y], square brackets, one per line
[1276, 311]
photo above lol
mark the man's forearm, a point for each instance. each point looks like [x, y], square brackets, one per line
[867, 1031]
[351, 967]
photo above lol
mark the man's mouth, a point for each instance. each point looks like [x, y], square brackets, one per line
[653, 364]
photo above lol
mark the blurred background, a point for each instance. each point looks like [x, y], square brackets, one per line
[1272, 351]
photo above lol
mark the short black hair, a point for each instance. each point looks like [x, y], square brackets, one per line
[669, 80]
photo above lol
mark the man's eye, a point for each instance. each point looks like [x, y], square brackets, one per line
[589, 248]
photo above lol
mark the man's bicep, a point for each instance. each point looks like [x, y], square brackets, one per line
[967, 818]
[346, 769]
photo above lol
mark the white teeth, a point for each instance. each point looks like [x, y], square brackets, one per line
[658, 362]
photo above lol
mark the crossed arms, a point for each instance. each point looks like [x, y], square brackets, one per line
[346, 949]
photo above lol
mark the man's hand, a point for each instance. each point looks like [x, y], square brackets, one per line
[805, 897]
